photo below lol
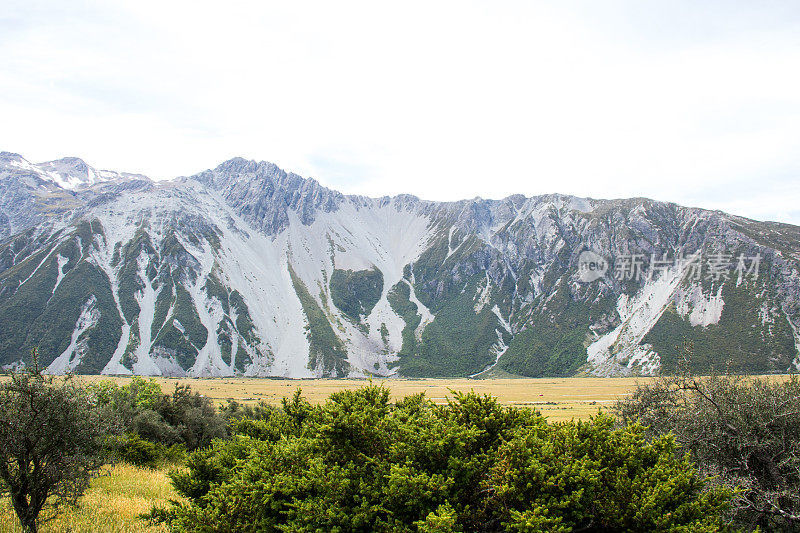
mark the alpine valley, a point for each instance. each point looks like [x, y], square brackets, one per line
[249, 270]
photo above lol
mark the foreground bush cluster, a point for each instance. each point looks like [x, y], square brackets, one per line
[680, 454]
[362, 463]
[56, 434]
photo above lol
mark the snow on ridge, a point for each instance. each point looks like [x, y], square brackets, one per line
[69, 173]
[73, 173]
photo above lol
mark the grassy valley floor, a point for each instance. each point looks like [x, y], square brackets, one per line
[123, 492]
[557, 398]
[111, 505]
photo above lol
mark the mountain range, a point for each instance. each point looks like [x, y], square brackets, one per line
[246, 269]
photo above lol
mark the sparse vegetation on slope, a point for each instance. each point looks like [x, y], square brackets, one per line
[326, 351]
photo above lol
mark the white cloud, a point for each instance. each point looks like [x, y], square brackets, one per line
[446, 100]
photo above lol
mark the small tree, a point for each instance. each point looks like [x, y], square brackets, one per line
[743, 431]
[51, 442]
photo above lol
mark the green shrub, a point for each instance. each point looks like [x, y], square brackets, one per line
[51, 442]
[359, 462]
[184, 418]
[135, 450]
[579, 476]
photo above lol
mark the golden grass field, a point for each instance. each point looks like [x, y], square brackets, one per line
[111, 505]
[557, 398]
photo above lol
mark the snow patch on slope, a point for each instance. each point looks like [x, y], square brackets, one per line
[62, 262]
[422, 310]
[71, 357]
[386, 236]
[46, 257]
[503, 321]
[796, 332]
[483, 294]
[450, 248]
[146, 298]
[209, 357]
[618, 351]
[702, 310]
[101, 255]
[256, 266]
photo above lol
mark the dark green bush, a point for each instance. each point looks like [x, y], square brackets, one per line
[159, 427]
[135, 450]
[52, 442]
[589, 476]
[362, 463]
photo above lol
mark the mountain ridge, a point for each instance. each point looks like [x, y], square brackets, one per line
[249, 269]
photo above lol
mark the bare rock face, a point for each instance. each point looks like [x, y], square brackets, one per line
[264, 195]
[248, 270]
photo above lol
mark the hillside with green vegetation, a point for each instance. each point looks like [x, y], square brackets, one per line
[326, 350]
[248, 270]
[355, 293]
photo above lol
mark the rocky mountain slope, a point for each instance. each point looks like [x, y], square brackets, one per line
[247, 269]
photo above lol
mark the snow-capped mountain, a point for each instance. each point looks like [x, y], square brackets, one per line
[247, 269]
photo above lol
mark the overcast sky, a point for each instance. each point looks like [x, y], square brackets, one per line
[696, 102]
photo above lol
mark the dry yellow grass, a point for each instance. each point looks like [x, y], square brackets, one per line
[557, 398]
[111, 505]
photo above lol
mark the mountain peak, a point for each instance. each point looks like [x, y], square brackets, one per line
[7, 157]
[74, 173]
[69, 172]
[69, 161]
